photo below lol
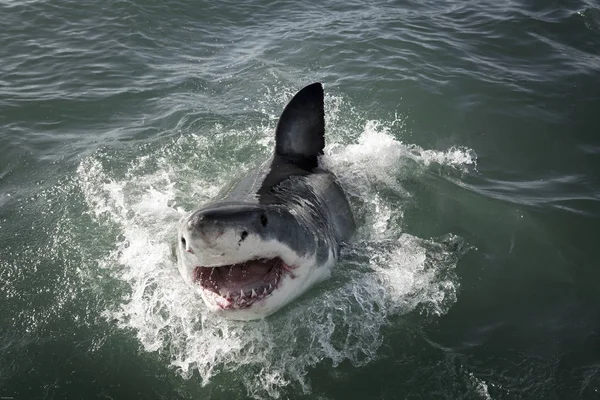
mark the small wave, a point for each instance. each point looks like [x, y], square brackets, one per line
[591, 18]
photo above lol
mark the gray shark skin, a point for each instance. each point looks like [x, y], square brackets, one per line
[278, 232]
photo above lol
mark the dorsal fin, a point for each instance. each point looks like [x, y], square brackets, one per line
[300, 133]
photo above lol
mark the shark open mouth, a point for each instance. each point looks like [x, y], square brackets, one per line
[241, 285]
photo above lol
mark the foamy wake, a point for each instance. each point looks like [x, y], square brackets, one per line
[384, 273]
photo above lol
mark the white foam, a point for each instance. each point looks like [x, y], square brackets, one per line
[480, 387]
[455, 156]
[386, 273]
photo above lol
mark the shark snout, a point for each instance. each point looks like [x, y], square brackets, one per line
[220, 229]
[202, 232]
[236, 219]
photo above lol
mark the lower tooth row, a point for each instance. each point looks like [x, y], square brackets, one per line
[254, 295]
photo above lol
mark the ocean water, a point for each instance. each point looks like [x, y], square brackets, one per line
[466, 134]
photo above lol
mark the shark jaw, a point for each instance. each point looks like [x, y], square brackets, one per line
[239, 286]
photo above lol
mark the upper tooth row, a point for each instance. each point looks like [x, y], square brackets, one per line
[253, 293]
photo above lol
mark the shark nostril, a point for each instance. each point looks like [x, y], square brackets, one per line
[183, 243]
[263, 220]
[243, 236]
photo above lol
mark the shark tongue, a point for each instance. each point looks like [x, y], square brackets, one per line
[245, 276]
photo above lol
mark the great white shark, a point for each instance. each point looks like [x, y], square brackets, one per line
[278, 232]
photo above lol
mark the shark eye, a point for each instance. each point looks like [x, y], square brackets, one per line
[244, 235]
[263, 220]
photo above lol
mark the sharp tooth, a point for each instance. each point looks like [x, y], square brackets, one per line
[227, 295]
[253, 293]
[264, 291]
[241, 293]
[270, 286]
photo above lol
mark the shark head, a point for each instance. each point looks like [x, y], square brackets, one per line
[247, 260]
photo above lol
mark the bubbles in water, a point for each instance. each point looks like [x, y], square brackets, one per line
[480, 386]
[384, 273]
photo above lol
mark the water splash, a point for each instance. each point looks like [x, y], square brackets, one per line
[384, 273]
